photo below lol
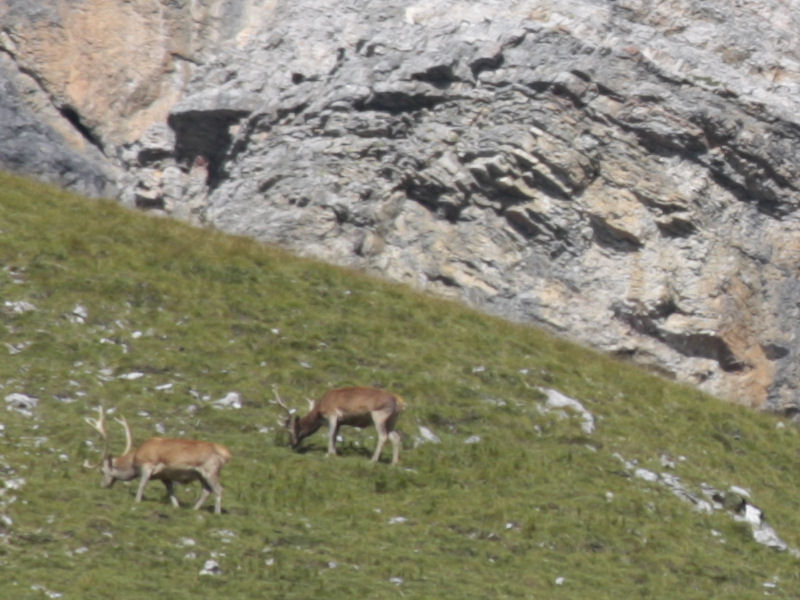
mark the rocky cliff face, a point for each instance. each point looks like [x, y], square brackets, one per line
[85, 79]
[621, 172]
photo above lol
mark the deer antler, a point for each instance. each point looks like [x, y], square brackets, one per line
[98, 424]
[279, 402]
[128, 437]
[290, 421]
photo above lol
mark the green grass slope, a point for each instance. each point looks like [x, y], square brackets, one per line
[158, 321]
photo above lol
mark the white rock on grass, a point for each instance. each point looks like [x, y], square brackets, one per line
[231, 400]
[15, 483]
[21, 403]
[226, 535]
[78, 315]
[46, 592]
[19, 306]
[397, 520]
[17, 348]
[132, 376]
[427, 435]
[736, 501]
[211, 567]
[557, 401]
[735, 489]
[646, 475]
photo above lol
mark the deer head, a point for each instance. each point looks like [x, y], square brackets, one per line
[110, 465]
[290, 421]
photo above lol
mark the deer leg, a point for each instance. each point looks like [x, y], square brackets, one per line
[205, 494]
[171, 493]
[382, 436]
[210, 485]
[144, 477]
[394, 437]
[218, 501]
[333, 431]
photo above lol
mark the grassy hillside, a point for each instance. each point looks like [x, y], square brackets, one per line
[158, 321]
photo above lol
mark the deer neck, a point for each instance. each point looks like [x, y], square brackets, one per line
[309, 424]
[124, 467]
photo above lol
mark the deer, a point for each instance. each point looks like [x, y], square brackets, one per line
[172, 460]
[354, 406]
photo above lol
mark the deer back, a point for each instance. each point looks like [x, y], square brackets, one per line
[353, 402]
[176, 452]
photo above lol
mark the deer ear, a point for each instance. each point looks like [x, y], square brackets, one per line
[310, 403]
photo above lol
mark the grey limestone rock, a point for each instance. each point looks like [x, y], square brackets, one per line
[622, 173]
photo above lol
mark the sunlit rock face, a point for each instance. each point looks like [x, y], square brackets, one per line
[622, 173]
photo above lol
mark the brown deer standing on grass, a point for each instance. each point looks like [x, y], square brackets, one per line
[168, 459]
[354, 406]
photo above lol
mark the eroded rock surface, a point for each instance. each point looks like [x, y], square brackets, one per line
[622, 173]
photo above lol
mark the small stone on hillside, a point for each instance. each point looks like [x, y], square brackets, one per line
[19, 306]
[231, 400]
[556, 400]
[428, 436]
[21, 403]
[211, 567]
[397, 520]
[78, 315]
[132, 376]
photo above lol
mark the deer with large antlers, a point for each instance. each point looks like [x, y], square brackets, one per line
[169, 459]
[354, 406]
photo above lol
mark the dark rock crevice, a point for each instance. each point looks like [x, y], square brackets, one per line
[204, 134]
